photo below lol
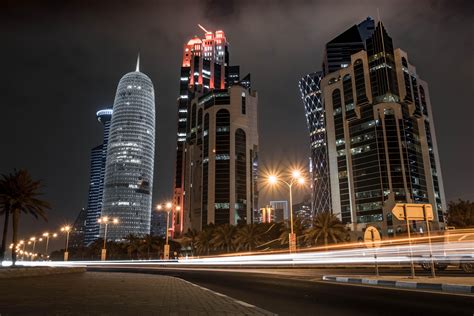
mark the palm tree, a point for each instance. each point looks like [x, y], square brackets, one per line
[223, 237]
[20, 194]
[147, 244]
[248, 236]
[325, 226]
[5, 186]
[132, 245]
[204, 240]
[299, 227]
[190, 238]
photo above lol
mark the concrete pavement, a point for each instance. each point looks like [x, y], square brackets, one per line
[98, 293]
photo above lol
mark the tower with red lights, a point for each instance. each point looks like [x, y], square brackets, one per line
[205, 74]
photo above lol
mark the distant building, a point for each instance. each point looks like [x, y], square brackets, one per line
[381, 143]
[96, 183]
[158, 224]
[128, 181]
[303, 210]
[281, 212]
[77, 234]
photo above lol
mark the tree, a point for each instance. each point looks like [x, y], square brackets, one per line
[299, 227]
[20, 193]
[460, 214]
[204, 240]
[223, 236]
[326, 227]
[148, 243]
[132, 245]
[5, 209]
[248, 237]
[190, 238]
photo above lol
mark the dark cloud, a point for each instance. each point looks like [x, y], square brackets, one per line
[62, 62]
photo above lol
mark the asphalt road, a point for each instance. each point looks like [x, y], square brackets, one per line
[300, 293]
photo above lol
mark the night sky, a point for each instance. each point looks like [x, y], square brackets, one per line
[61, 63]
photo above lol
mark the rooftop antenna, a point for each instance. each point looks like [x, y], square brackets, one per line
[202, 28]
[138, 63]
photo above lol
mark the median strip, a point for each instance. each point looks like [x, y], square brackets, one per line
[439, 284]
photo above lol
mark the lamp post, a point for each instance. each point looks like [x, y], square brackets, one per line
[105, 220]
[33, 240]
[168, 207]
[47, 235]
[66, 229]
[296, 178]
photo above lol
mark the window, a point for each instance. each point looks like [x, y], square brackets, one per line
[243, 103]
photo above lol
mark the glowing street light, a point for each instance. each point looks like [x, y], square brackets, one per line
[33, 240]
[66, 229]
[48, 235]
[168, 207]
[296, 178]
[105, 220]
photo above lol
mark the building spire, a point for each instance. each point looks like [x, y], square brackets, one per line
[138, 63]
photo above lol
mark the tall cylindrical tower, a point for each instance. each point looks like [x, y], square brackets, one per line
[128, 180]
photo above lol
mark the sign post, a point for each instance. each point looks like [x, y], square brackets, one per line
[372, 240]
[410, 211]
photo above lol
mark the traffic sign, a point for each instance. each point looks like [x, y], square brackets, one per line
[372, 237]
[413, 211]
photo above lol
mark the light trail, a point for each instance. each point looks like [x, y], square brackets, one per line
[398, 254]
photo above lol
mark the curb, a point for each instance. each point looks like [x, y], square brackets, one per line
[442, 287]
[10, 273]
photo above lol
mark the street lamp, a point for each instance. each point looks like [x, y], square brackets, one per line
[105, 220]
[296, 178]
[168, 207]
[48, 235]
[66, 229]
[33, 240]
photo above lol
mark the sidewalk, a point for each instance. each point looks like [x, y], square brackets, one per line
[97, 293]
[464, 285]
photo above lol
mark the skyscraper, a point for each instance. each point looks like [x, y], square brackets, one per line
[381, 143]
[96, 183]
[76, 238]
[217, 163]
[128, 180]
[320, 187]
[338, 51]
[337, 55]
[203, 69]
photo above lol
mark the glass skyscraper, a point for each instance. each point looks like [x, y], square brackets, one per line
[128, 180]
[320, 187]
[96, 183]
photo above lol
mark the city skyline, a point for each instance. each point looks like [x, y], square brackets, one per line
[67, 207]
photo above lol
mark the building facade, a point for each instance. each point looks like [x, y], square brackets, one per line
[319, 170]
[221, 158]
[281, 211]
[381, 143]
[217, 149]
[76, 238]
[96, 183]
[128, 182]
[204, 68]
[337, 55]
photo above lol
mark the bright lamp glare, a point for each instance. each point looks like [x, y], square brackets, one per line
[272, 179]
[296, 174]
[301, 180]
[168, 205]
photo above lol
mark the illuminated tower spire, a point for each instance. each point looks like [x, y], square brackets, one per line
[138, 63]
